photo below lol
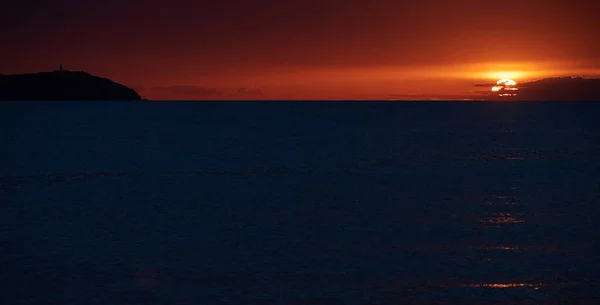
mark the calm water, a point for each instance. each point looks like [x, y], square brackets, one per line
[299, 203]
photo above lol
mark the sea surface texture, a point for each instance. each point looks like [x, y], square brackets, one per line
[299, 203]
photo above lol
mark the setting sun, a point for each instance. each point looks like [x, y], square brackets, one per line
[506, 82]
[506, 87]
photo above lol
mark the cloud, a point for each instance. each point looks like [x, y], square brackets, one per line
[187, 90]
[441, 97]
[246, 91]
[485, 85]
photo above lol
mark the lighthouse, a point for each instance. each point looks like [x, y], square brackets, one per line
[60, 69]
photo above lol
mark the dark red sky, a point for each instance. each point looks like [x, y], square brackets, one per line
[301, 48]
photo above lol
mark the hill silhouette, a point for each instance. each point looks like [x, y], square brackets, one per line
[62, 85]
[557, 89]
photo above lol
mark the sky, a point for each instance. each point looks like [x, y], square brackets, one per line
[302, 49]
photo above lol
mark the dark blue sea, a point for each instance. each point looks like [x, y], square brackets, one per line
[299, 203]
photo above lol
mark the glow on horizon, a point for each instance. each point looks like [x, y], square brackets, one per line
[376, 82]
[482, 71]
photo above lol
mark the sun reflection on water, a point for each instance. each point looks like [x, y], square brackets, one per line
[502, 218]
[500, 199]
[498, 219]
[508, 198]
[535, 286]
[499, 247]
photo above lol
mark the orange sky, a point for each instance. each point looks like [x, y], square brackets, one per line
[302, 49]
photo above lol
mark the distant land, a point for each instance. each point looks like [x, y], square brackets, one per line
[553, 89]
[62, 85]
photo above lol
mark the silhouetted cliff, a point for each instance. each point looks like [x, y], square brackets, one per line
[558, 89]
[62, 85]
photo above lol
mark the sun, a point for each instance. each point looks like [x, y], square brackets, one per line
[506, 87]
[506, 82]
[503, 83]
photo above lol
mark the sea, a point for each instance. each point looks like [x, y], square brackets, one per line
[315, 202]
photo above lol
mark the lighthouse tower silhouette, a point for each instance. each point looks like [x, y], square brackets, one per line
[60, 69]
